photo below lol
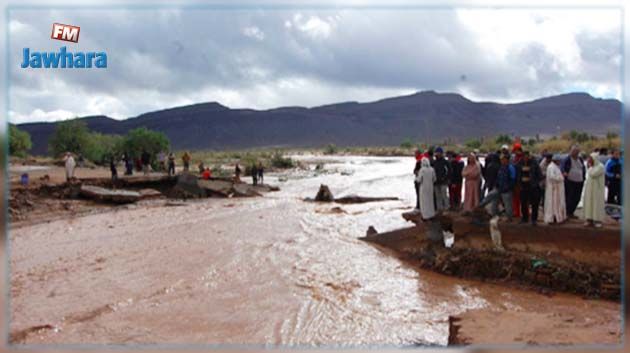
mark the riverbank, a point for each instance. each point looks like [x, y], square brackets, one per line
[547, 259]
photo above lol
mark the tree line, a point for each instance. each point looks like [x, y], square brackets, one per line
[74, 136]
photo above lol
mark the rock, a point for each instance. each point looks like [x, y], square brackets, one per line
[244, 190]
[266, 188]
[107, 195]
[324, 194]
[188, 183]
[149, 194]
[216, 187]
[371, 232]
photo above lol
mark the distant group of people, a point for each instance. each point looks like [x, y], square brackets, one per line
[520, 182]
[166, 163]
[144, 163]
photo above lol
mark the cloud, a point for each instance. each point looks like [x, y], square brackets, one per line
[269, 58]
[253, 32]
[314, 26]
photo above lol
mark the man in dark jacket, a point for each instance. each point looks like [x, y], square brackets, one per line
[442, 176]
[146, 161]
[502, 187]
[574, 173]
[613, 178]
[490, 172]
[528, 178]
[455, 183]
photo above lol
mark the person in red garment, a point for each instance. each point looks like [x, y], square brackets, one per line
[207, 174]
[517, 149]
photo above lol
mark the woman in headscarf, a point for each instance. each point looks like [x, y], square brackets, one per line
[555, 204]
[472, 174]
[425, 179]
[594, 192]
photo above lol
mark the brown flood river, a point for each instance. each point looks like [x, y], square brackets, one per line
[273, 270]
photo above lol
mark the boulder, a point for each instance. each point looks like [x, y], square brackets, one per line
[324, 194]
[187, 183]
[216, 187]
[107, 195]
[244, 190]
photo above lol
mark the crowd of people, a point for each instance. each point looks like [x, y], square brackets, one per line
[516, 184]
[166, 163]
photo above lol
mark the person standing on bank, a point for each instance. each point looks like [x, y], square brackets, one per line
[503, 188]
[574, 173]
[455, 183]
[528, 179]
[261, 173]
[594, 191]
[70, 165]
[186, 160]
[544, 163]
[442, 170]
[472, 174]
[426, 179]
[254, 171]
[146, 162]
[416, 170]
[171, 164]
[555, 197]
[613, 178]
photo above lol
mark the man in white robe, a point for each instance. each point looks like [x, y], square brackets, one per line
[426, 178]
[70, 165]
[555, 204]
[594, 192]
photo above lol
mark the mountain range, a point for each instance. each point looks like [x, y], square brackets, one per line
[425, 116]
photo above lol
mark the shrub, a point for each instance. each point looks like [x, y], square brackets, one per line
[102, 147]
[19, 142]
[406, 143]
[473, 143]
[278, 160]
[330, 149]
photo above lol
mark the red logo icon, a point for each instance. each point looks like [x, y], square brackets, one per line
[66, 33]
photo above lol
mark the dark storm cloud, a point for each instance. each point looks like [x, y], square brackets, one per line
[256, 58]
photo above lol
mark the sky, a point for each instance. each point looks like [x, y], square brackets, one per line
[264, 58]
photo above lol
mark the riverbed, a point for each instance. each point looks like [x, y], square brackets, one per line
[273, 270]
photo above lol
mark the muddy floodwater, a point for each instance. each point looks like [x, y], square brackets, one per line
[270, 270]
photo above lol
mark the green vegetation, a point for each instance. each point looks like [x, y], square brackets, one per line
[473, 143]
[278, 160]
[19, 142]
[142, 139]
[503, 139]
[69, 136]
[330, 149]
[74, 136]
[406, 143]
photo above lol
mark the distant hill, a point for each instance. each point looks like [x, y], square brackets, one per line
[423, 116]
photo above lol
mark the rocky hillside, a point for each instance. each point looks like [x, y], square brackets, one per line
[423, 116]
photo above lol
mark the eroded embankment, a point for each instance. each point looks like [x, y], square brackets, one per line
[44, 201]
[567, 258]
